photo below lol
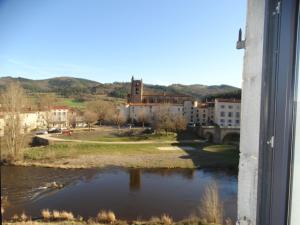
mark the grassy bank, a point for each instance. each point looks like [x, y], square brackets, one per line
[102, 218]
[95, 223]
[156, 155]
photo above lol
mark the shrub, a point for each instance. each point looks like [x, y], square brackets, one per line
[46, 214]
[111, 217]
[106, 217]
[23, 217]
[102, 216]
[56, 214]
[64, 215]
[211, 205]
[15, 217]
[165, 219]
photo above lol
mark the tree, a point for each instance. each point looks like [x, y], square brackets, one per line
[142, 116]
[117, 116]
[90, 117]
[44, 103]
[167, 121]
[13, 102]
[180, 122]
[101, 108]
[163, 119]
[72, 119]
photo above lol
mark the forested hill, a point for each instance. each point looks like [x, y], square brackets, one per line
[70, 86]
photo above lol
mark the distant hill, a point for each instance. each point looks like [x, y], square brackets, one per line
[71, 87]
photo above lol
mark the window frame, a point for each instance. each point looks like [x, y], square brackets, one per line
[277, 113]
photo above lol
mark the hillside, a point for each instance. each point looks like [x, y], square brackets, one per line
[72, 87]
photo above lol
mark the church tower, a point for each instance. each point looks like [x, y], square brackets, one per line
[136, 95]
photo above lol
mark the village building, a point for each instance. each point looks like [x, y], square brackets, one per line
[140, 106]
[55, 117]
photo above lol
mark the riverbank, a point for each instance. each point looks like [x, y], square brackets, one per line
[150, 155]
[185, 222]
[93, 223]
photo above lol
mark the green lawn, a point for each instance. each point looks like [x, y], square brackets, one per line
[73, 103]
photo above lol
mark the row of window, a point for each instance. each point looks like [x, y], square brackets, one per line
[229, 121]
[229, 106]
[230, 114]
[59, 113]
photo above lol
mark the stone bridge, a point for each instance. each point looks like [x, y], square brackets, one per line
[218, 134]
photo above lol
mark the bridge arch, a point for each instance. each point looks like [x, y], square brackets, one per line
[209, 135]
[230, 136]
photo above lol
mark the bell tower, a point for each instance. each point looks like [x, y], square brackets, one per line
[136, 95]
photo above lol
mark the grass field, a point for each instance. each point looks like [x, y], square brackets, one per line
[111, 134]
[73, 103]
[115, 135]
[83, 155]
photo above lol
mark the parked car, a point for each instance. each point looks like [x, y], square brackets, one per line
[41, 132]
[54, 131]
[191, 124]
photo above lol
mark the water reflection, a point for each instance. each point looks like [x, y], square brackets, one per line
[135, 179]
[129, 193]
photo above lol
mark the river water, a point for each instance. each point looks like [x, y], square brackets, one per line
[130, 193]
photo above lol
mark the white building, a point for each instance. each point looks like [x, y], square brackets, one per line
[34, 120]
[227, 112]
[223, 112]
[58, 117]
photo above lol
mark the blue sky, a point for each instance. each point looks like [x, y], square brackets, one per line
[162, 41]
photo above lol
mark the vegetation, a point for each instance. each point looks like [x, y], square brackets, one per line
[103, 217]
[211, 205]
[71, 87]
[101, 108]
[235, 94]
[167, 121]
[90, 117]
[13, 102]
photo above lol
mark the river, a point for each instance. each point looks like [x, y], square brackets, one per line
[130, 193]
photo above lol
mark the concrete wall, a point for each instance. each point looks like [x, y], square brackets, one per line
[250, 115]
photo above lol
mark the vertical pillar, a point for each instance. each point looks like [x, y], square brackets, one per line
[250, 114]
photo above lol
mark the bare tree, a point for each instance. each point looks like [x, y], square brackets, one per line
[44, 103]
[72, 118]
[117, 116]
[167, 121]
[163, 119]
[142, 116]
[90, 117]
[180, 122]
[13, 102]
[101, 108]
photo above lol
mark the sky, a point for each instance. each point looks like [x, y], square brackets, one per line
[161, 41]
